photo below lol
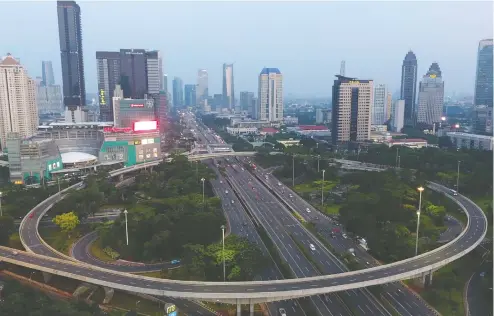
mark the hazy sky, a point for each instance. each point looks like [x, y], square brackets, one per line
[305, 40]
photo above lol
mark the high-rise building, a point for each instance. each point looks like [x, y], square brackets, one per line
[154, 72]
[202, 92]
[351, 113]
[228, 88]
[134, 110]
[342, 68]
[178, 93]
[398, 116]
[246, 101]
[483, 78]
[74, 90]
[379, 108]
[165, 83]
[409, 86]
[482, 120]
[270, 95]
[389, 103]
[18, 108]
[49, 99]
[108, 70]
[163, 111]
[190, 94]
[133, 73]
[47, 73]
[117, 96]
[431, 97]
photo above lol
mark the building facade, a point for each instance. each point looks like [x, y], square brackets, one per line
[351, 114]
[270, 102]
[134, 110]
[431, 97]
[47, 73]
[190, 95]
[18, 107]
[178, 93]
[398, 117]
[202, 91]
[483, 77]
[379, 109]
[49, 99]
[162, 116]
[482, 119]
[133, 74]
[408, 90]
[228, 88]
[471, 141]
[108, 71]
[70, 34]
[246, 101]
[389, 104]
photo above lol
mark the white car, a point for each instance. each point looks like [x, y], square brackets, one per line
[279, 183]
[307, 209]
[282, 312]
[221, 181]
[233, 201]
[344, 236]
[15, 253]
[312, 247]
[226, 191]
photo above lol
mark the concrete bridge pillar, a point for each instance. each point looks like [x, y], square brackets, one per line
[121, 177]
[108, 294]
[251, 309]
[239, 308]
[430, 278]
[47, 277]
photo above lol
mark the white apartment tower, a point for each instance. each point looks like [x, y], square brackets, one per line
[398, 116]
[18, 108]
[202, 87]
[351, 115]
[431, 96]
[228, 88]
[379, 109]
[270, 102]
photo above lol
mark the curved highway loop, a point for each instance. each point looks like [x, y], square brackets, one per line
[265, 291]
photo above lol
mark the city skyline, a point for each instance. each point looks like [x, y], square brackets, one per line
[297, 61]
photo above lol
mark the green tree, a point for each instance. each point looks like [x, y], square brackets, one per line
[67, 221]
[7, 228]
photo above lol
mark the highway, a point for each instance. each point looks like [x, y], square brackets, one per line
[403, 300]
[288, 234]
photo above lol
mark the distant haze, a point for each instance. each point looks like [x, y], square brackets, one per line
[305, 40]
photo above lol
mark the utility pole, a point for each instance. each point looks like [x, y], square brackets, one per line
[224, 267]
[458, 178]
[322, 189]
[397, 155]
[293, 170]
[126, 228]
[421, 189]
[318, 157]
[58, 182]
[202, 180]
[1, 212]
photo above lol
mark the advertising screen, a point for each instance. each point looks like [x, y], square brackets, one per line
[171, 309]
[145, 126]
[137, 105]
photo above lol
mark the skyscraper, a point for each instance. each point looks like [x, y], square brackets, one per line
[379, 108]
[351, 114]
[178, 93]
[389, 100]
[431, 96]
[398, 116]
[202, 92]
[246, 101]
[165, 84]
[18, 108]
[190, 94]
[108, 69]
[270, 95]
[228, 87]
[133, 73]
[409, 86]
[47, 73]
[153, 72]
[69, 30]
[49, 99]
[483, 78]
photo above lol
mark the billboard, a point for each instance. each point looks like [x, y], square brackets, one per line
[136, 105]
[145, 126]
[171, 309]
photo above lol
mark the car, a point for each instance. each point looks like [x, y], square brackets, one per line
[344, 236]
[226, 191]
[312, 247]
[308, 210]
[279, 183]
[221, 181]
[31, 215]
[282, 312]
[15, 253]
[233, 201]
[175, 261]
[244, 224]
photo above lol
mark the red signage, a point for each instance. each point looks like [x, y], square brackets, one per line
[145, 126]
[139, 105]
[117, 130]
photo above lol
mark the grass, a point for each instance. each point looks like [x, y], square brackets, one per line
[15, 241]
[96, 251]
[231, 309]
[331, 209]
[60, 241]
[315, 186]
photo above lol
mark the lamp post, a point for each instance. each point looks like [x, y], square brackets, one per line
[293, 171]
[58, 182]
[458, 178]
[223, 253]
[202, 180]
[421, 189]
[318, 157]
[126, 228]
[322, 188]
[1, 212]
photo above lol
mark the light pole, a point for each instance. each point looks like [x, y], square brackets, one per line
[126, 228]
[293, 171]
[318, 157]
[458, 178]
[58, 182]
[202, 180]
[322, 188]
[421, 189]
[223, 253]
[1, 212]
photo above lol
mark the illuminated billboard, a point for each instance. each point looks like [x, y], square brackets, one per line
[102, 100]
[171, 309]
[145, 126]
[136, 105]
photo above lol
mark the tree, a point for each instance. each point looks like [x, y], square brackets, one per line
[67, 221]
[7, 227]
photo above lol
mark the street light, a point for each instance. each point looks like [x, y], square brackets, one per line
[293, 171]
[223, 253]
[318, 157]
[322, 188]
[202, 180]
[1, 212]
[126, 228]
[421, 189]
[458, 178]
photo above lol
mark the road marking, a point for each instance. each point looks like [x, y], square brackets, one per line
[360, 308]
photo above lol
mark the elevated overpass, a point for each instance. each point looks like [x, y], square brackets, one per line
[254, 291]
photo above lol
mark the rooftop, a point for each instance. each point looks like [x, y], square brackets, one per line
[408, 140]
[312, 128]
[77, 157]
[468, 135]
[266, 71]
[9, 61]
[269, 130]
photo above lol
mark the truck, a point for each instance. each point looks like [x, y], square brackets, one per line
[363, 244]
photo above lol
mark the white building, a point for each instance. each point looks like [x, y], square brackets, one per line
[471, 141]
[379, 109]
[241, 130]
[270, 107]
[431, 96]
[154, 72]
[49, 99]
[398, 116]
[18, 108]
[228, 88]
[202, 89]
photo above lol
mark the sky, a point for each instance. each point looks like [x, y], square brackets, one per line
[305, 40]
